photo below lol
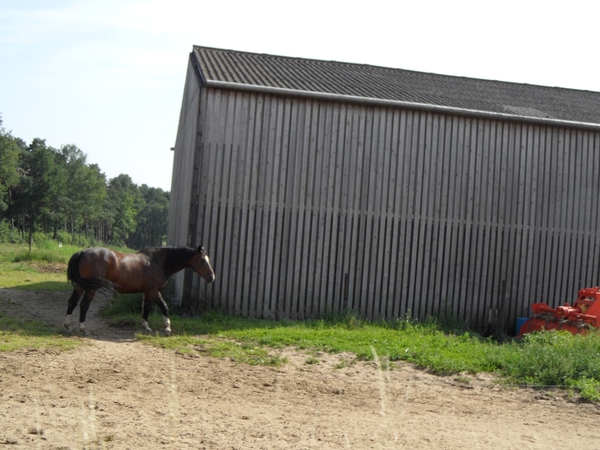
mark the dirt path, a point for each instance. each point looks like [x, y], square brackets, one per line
[116, 393]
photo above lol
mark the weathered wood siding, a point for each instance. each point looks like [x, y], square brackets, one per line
[310, 207]
[178, 226]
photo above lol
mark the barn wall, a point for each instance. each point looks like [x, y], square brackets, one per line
[310, 207]
[183, 171]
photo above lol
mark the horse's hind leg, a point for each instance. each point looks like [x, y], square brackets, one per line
[145, 313]
[73, 300]
[85, 304]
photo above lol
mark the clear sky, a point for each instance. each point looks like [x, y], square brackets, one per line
[108, 76]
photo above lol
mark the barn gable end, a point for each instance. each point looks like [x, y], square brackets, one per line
[320, 187]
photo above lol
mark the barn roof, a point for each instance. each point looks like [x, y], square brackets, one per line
[360, 82]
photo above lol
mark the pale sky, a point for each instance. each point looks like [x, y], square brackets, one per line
[108, 76]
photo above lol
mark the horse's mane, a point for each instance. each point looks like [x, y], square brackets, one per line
[175, 258]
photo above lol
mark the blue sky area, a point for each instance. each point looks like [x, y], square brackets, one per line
[108, 76]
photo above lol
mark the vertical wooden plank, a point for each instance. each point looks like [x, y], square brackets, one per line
[474, 263]
[378, 250]
[487, 235]
[356, 147]
[434, 179]
[393, 299]
[283, 212]
[458, 215]
[332, 280]
[382, 273]
[422, 205]
[532, 195]
[226, 200]
[413, 279]
[440, 155]
[560, 219]
[245, 161]
[320, 206]
[310, 228]
[302, 243]
[594, 149]
[478, 188]
[277, 207]
[407, 213]
[345, 222]
[296, 176]
[574, 215]
[446, 214]
[364, 192]
[254, 213]
[240, 156]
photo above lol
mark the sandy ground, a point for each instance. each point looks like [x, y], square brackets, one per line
[116, 393]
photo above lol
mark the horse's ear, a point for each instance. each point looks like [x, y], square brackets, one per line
[200, 249]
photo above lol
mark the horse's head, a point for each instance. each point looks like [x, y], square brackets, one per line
[201, 265]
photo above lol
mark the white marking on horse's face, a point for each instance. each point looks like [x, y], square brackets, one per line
[207, 259]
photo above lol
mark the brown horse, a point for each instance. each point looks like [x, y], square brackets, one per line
[146, 271]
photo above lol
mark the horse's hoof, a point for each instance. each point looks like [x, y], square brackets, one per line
[167, 332]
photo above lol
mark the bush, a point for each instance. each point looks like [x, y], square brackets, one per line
[9, 234]
[41, 255]
[557, 358]
[65, 237]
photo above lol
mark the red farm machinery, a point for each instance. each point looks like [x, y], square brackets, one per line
[582, 316]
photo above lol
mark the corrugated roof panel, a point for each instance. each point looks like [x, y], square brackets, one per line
[359, 80]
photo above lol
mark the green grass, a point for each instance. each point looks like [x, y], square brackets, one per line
[20, 334]
[425, 345]
[552, 359]
[40, 269]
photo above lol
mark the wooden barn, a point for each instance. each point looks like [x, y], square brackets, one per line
[322, 187]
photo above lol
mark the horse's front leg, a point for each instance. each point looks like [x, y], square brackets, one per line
[155, 295]
[165, 312]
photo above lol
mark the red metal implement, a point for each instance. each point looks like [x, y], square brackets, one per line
[584, 314]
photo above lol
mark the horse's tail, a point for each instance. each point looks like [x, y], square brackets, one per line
[92, 284]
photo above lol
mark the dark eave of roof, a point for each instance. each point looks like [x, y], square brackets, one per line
[379, 85]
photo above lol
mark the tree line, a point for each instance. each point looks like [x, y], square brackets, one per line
[48, 193]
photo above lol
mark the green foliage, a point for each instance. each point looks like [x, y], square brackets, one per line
[9, 158]
[54, 194]
[151, 219]
[555, 359]
[9, 234]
